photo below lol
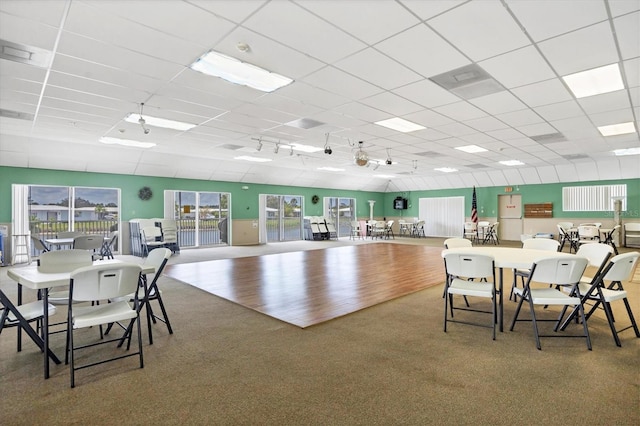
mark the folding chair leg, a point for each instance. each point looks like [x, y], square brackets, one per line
[535, 326]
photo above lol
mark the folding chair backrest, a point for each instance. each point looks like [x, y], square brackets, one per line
[559, 270]
[157, 258]
[597, 254]
[38, 244]
[565, 225]
[69, 234]
[621, 267]
[546, 244]
[588, 231]
[100, 282]
[88, 242]
[470, 265]
[57, 261]
[457, 243]
[151, 233]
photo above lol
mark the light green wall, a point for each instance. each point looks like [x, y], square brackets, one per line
[531, 194]
[245, 202]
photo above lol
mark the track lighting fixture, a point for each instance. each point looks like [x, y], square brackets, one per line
[415, 164]
[389, 160]
[142, 121]
[291, 151]
[259, 147]
[277, 148]
[327, 148]
[376, 166]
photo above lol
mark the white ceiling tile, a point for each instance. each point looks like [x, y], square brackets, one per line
[203, 28]
[486, 124]
[557, 17]
[429, 9]
[498, 103]
[529, 175]
[520, 118]
[387, 73]
[629, 166]
[339, 82]
[427, 93]
[581, 50]
[518, 68]
[548, 174]
[559, 111]
[480, 29]
[627, 30]
[460, 111]
[536, 129]
[234, 10]
[543, 93]
[355, 17]
[268, 54]
[26, 31]
[403, 48]
[295, 27]
[392, 104]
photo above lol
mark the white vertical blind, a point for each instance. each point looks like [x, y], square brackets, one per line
[596, 198]
[170, 204]
[19, 216]
[443, 216]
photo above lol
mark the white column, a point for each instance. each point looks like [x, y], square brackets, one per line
[371, 203]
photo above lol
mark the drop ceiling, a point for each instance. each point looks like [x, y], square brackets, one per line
[353, 63]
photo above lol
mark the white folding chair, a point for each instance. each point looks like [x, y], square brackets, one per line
[100, 282]
[151, 238]
[619, 269]
[470, 266]
[559, 271]
[93, 243]
[545, 244]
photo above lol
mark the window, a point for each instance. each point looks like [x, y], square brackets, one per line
[54, 209]
[595, 198]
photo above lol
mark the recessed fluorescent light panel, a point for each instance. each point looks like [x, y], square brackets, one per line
[127, 142]
[254, 159]
[628, 151]
[617, 129]
[238, 72]
[331, 169]
[133, 117]
[471, 149]
[446, 169]
[305, 148]
[595, 82]
[512, 163]
[399, 124]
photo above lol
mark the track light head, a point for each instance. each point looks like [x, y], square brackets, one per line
[142, 122]
[276, 149]
[328, 150]
[389, 162]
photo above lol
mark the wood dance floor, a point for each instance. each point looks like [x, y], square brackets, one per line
[310, 287]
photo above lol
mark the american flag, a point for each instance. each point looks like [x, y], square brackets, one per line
[474, 207]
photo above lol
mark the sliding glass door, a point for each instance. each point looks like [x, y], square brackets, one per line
[202, 218]
[283, 219]
[341, 211]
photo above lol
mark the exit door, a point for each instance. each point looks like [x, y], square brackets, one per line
[510, 217]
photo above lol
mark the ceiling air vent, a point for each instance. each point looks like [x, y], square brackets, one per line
[476, 166]
[429, 154]
[231, 146]
[575, 156]
[549, 138]
[468, 82]
[304, 123]
[15, 114]
[25, 54]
